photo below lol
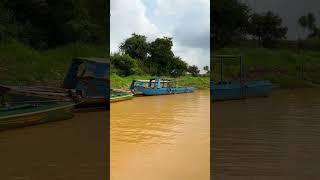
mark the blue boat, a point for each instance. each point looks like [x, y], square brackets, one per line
[223, 90]
[89, 78]
[157, 86]
[230, 91]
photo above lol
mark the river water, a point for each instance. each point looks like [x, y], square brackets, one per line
[161, 137]
[267, 138]
[64, 150]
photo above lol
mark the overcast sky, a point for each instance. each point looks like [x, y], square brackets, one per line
[186, 21]
[290, 11]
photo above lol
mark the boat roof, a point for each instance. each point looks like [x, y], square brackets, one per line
[92, 60]
[164, 80]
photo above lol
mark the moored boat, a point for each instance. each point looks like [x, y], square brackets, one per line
[230, 91]
[20, 115]
[89, 78]
[157, 86]
[117, 95]
[224, 90]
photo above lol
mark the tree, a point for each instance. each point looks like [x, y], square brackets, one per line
[178, 67]
[160, 56]
[308, 22]
[136, 46]
[206, 68]
[267, 27]
[124, 64]
[193, 70]
[229, 22]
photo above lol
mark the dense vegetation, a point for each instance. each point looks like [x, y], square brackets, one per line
[44, 24]
[38, 38]
[156, 58]
[261, 40]
[234, 22]
[139, 59]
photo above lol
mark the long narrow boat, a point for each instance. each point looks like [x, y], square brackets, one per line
[223, 90]
[34, 113]
[230, 91]
[116, 96]
[157, 86]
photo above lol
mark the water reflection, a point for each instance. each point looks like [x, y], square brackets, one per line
[71, 149]
[270, 138]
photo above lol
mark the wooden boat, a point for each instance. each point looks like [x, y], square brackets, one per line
[117, 95]
[89, 79]
[157, 86]
[229, 91]
[238, 90]
[14, 116]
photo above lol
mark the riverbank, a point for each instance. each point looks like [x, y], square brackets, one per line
[201, 82]
[287, 68]
[22, 65]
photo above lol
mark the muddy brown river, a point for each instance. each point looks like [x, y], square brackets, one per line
[161, 138]
[64, 150]
[270, 138]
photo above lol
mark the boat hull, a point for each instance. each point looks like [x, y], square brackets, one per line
[163, 91]
[220, 92]
[18, 118]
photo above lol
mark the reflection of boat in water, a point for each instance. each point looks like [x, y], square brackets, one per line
[31, 113]
[157, 86]
[238, 90]
[119, 95]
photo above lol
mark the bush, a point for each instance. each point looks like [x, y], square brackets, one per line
[124, 64]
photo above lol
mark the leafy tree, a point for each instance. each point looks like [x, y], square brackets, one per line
[193, 70]
[308, 22]
[206, 68]
[229, 22]
[49, 23]
[160, 56]
[178, 67]
[124, 64]
[267, 27]
[136, 46]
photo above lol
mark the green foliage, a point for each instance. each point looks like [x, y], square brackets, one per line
[154, 58]
[124, 64]
[230, 22]
[49, 23]
[267, 28]
[20, 64]
[308, 22]
[136, 46]
[193, 70]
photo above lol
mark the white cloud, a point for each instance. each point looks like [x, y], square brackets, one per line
[187, 22]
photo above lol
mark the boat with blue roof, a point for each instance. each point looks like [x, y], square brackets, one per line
[157, 86]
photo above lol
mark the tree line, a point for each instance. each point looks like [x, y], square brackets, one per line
[138, 56]
[48, 23]
[233, 21]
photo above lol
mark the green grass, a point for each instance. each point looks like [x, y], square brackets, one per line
[277, 65]
[20, 64]
[117, 82]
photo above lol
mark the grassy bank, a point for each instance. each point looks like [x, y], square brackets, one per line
[20, 64]
[118, 82]
[281, 66]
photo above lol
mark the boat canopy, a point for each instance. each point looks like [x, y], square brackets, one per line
[86, 68]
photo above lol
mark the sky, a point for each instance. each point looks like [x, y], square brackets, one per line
[186, 21]
[290, 11]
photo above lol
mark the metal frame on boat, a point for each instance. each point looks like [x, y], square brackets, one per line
[237, 90]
